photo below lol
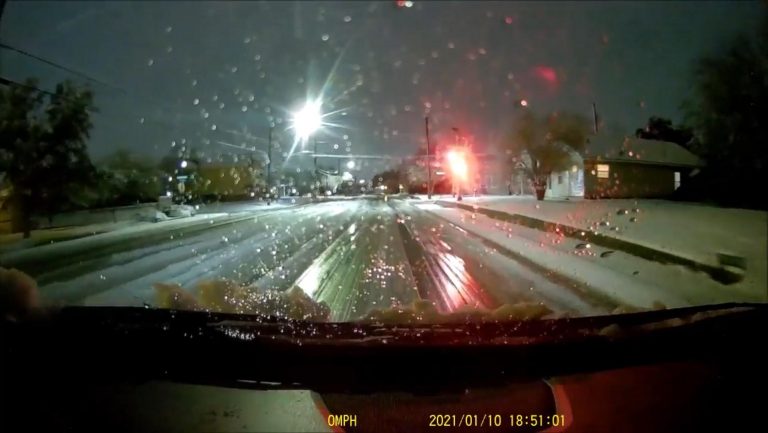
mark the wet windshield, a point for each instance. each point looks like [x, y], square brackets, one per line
[389, 161]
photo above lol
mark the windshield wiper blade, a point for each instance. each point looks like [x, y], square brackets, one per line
[245, 326]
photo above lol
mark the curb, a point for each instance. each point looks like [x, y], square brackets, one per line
[724, 275]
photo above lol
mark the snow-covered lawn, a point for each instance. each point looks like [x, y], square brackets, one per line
[693, 231]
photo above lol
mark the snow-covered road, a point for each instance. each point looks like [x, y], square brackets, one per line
[367, 255]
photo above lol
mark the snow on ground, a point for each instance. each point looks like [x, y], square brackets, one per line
[121, 232]
[622, 277]
[144, 219]
[510, 282]
[241, 253]
[694, 231]
[14, 241]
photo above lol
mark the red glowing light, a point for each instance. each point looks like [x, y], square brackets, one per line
[546, 73]
[457, 161]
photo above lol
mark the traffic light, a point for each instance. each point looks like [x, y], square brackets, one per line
[457, 162]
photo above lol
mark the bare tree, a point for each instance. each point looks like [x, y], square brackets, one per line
[544, 144]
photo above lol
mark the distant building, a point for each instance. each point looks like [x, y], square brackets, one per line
[623, 167]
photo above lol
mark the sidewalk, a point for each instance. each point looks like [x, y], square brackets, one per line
[683, 233]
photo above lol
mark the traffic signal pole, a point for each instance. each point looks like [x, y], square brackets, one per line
[429, 160]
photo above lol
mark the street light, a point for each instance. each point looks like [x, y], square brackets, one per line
[350, 164]
[183, 164]
[308, 120]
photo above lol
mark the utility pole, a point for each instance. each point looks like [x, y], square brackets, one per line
[315, 154]
[269, 164]
[317, 177]
[594, 116]
[2, 8]
[429, 159]
[456, 135]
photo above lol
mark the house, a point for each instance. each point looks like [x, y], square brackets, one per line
[623, 167]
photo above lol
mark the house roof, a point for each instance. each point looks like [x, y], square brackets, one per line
[639, 150]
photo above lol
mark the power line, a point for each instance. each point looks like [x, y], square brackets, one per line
[7, 82]
[62, 67]
[153, 100]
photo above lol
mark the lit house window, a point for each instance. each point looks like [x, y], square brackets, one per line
[603, 170]
[677, 179]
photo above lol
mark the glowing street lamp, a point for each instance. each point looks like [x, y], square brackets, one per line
[308, 120]
[350, 164]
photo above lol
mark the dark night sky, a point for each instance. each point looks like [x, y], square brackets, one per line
[464, 62]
